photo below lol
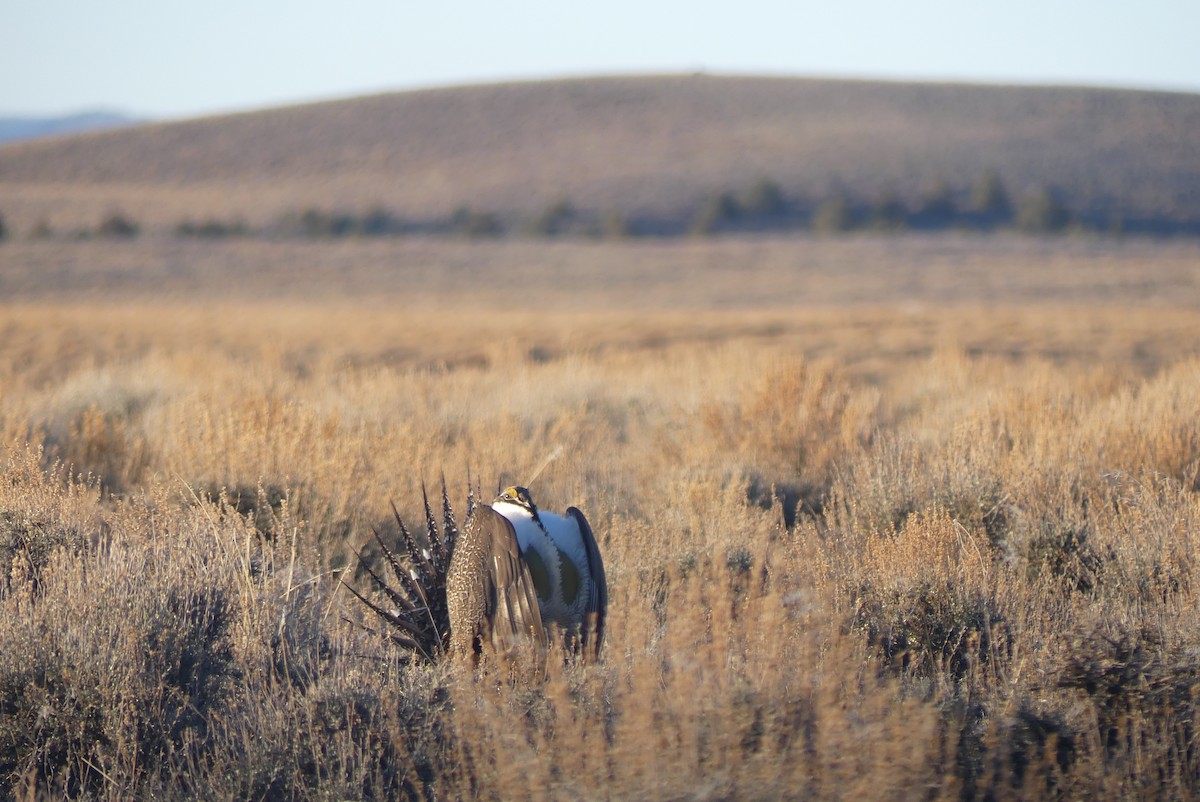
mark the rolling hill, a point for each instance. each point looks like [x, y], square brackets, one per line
[15, 129]
[645, 146]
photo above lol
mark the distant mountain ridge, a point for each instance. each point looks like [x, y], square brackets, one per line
[16, 129]
[649, 146]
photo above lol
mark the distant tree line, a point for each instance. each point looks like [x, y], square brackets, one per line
[761, 207]
[987, 206]
[212, 228]
[559, 219]
[115, 225]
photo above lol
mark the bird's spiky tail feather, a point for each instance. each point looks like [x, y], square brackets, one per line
[418, 620]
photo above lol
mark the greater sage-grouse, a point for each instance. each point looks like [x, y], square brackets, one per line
[512, 572]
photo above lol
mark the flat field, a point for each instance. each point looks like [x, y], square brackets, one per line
[882, 517]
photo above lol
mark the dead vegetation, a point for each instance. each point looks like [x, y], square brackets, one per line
[853, 552]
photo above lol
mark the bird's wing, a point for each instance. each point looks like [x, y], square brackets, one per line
[597, 609]
[510, 602]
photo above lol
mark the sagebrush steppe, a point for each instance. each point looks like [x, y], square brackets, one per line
[882, 518]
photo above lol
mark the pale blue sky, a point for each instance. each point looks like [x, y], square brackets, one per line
[164, 59]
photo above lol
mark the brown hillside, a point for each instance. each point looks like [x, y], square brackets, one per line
[656, 144]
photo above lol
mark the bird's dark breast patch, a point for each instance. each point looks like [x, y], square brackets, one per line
[569, 576]
[537, 570]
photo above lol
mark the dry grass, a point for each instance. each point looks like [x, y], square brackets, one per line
[854, 551]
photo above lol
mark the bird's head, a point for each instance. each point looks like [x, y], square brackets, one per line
[520, 497]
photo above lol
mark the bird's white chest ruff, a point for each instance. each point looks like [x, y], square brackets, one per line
[557, 559]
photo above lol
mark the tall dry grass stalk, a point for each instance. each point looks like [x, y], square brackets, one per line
[957, 575]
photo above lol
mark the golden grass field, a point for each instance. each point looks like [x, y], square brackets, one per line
[883, 518]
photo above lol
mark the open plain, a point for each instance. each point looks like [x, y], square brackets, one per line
[883, 516]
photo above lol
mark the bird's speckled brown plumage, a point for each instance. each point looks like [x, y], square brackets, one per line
[489, 591]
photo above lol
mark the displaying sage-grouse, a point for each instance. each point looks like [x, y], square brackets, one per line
[512, 572]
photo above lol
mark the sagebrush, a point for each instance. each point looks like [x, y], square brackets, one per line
[955, 573]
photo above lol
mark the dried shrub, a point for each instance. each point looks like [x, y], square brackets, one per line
[27, 543]
[1067, 554]
[928, 597]
[1141, 694]
[117, 673]
[795, 424]
[105, 446]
